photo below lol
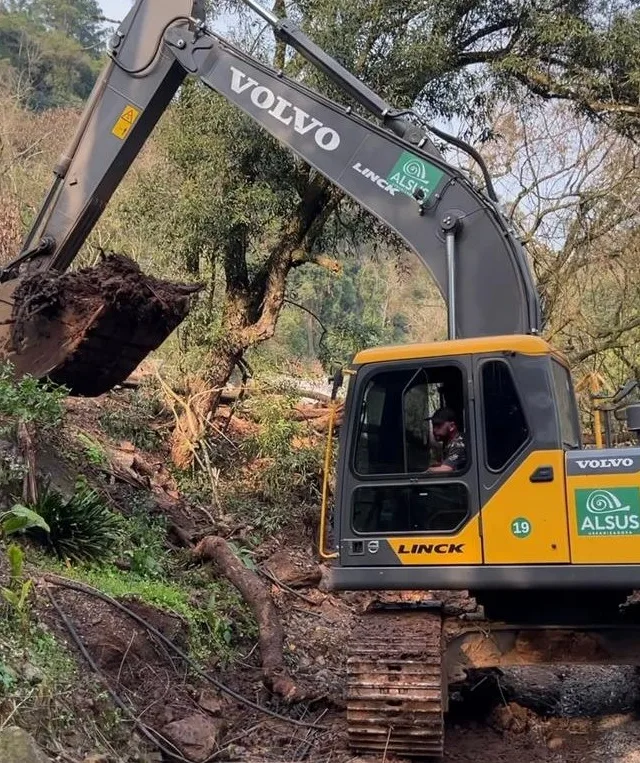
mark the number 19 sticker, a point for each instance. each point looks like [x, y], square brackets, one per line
[521, 527]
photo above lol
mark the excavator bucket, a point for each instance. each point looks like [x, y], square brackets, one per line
[90, 329]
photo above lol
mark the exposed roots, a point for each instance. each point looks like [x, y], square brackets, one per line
[255, 593]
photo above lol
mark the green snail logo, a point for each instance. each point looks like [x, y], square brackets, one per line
[416, 169]
[603, 502]
[411, 172]
[610, 511]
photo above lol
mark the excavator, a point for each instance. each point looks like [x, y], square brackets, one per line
[543, 534]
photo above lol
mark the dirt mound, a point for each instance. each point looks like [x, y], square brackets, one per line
[90, 329]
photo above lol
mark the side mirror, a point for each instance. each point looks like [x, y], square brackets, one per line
[633, 419]
[337, 380]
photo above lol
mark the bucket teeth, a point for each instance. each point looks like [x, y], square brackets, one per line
[394, 684]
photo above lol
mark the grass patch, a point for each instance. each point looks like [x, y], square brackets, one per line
[33, 659]
[217, 618]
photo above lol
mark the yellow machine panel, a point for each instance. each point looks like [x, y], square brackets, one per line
[525, 522]
[527, 345]
[604, 518]
[463, 548]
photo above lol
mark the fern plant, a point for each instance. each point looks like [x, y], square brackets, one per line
[81, 528]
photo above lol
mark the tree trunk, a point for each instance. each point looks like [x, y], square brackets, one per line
[255, 593]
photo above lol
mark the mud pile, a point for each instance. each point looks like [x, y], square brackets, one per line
[90, 329]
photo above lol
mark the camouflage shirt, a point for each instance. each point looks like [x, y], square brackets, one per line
[455, 453]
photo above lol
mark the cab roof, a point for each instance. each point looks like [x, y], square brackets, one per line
[523, 344]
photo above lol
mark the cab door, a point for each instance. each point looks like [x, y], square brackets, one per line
[394, 512]
[521, 468]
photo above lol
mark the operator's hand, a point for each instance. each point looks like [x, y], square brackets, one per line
[441, 468]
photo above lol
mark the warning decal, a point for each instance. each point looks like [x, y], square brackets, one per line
[126, 121]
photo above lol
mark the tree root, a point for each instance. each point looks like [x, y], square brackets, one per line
[255, 593]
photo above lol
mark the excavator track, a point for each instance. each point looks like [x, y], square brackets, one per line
[395, 696]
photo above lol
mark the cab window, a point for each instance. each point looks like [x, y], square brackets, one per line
[433, 507]
[505, 426]
[394, 433]
[394, 443]
[566, 404]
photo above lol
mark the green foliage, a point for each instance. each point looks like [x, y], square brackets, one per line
[213, 612]
[93, 451]
[277, 427]
[53, 68]
[7, 678]
[17, 595]
[81, 527]
[77, 19]
[21, 519]
[133, 422]
[16, 564]
[284, 485]
[46, 658]
[245, 556]
[143, 542]
[29, 401]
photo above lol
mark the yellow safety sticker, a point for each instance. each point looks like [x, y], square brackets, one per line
[126, 121]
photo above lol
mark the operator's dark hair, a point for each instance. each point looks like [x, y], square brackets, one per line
[442, 415]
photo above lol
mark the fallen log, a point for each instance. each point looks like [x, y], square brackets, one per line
[232, 394]
[271, 640]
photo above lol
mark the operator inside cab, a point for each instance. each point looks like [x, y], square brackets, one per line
[445, 431]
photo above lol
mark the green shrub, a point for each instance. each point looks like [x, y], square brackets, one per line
[144, 540]
[277, 427]
[17, 595]
[133, 423]
[20, 518]
[81, 528]
[93, 451]
[288, 481]
[28, 400]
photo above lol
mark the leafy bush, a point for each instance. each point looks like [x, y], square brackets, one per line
[28, 400]
[81, 528]
[288, 476]
[93, 451]
[277, 427]
[133, 423]
[144, 539]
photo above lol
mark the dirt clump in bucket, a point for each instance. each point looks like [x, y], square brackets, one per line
[90, 329]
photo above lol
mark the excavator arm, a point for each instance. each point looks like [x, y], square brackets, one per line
[392, 170]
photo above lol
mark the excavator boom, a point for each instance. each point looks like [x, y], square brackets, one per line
[393, 170]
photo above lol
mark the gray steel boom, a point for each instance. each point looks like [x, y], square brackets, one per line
[394, 171]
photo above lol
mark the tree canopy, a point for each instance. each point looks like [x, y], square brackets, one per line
[52, 48]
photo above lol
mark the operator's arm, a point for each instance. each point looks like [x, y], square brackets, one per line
[442, 468]
[455, 458]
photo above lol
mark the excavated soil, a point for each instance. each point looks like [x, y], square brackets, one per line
[90, 329]
[488, 722]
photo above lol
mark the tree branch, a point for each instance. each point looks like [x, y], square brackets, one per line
[301, 257]
[486, 31]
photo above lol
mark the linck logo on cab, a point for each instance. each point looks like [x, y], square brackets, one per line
[432, 548]
[284, 111]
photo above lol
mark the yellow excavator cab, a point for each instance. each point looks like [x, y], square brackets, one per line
[528, 507]
[542, 534]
